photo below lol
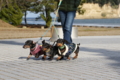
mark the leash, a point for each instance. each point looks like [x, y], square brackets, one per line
[52, 23]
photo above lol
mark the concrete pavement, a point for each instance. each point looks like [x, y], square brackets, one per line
[99, 59]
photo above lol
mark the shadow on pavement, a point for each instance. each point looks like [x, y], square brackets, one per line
[30, 58]
[11, 43]
[109, 54]
[40, 58]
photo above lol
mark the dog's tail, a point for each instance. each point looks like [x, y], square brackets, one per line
[78, 44]
[78, 48]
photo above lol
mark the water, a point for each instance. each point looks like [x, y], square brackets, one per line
[83, 22]
[98, 22]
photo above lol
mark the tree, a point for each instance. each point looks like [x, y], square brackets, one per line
[11, 14]
[46, 7]
[80, 10]
[25, 6]
[3, 3]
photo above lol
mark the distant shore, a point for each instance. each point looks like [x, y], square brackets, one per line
[112, 22]
[93, 11]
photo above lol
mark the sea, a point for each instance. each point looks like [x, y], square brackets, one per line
[114, 22]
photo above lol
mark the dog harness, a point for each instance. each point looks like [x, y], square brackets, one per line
[48, 52]
[70, 48]
[37, 49]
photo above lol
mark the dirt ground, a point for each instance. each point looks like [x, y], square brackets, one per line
[5, 25]
[13, 33]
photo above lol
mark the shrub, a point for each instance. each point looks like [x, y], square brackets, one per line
[103, 14]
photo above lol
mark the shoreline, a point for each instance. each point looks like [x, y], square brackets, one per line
[112, 22]
[74, 25]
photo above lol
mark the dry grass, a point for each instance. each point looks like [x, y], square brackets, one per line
[6, 33]
[97, 31]
[9, 33]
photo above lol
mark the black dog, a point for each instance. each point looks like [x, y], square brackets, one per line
[35, 49]
[65, 49]
[50, 50]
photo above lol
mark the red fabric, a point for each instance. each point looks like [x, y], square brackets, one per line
[36, 50]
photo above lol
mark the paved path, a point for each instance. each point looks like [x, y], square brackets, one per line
[99, 59]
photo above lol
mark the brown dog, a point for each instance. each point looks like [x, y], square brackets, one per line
[65, 49]
[35, 49]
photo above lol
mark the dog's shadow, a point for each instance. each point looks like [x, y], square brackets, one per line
[40, 58]
[33, 58]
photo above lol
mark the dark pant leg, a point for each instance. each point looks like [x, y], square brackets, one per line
[67, 19]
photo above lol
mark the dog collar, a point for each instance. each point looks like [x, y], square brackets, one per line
[62, 47]
[64, 53]
[32, 49]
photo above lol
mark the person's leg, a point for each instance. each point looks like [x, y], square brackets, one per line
[62, 15]
[68, 25]
[67, 19]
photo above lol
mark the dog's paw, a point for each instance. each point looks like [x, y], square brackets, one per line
[58, 58]
[61, 58]
[27, 58]
[68, 58]
[43, 58]
[74, 57]
[50, 59]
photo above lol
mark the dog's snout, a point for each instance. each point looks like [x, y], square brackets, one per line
[24, 46]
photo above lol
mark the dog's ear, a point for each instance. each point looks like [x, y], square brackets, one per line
[29, 42]
[43, 42]
[32, 42]
[62, 41]
[65, 41]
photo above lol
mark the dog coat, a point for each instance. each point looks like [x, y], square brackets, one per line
[70, 48]
[37, 49]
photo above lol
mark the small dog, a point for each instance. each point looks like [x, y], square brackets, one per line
[50, 50]
[65, 49]
[35, 49]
